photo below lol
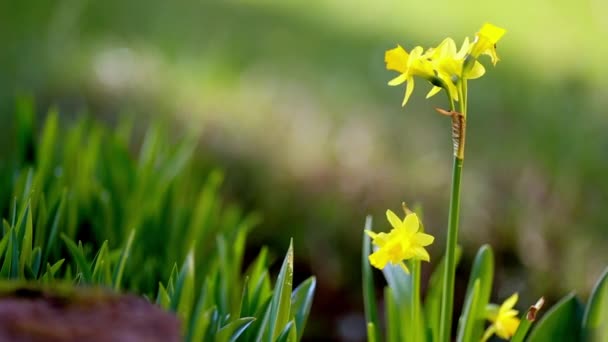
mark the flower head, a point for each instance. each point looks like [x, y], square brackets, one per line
[504, 319]
[409, 65]
[444, 66]
[403, 242]
[485, 41]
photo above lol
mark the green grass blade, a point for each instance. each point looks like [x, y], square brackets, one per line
[301, 302]
[393, 317]
[432, 303]
[119, 270]
[469, 314]
[184, 290]
[369, 293]
[470, 327]
[26, 242]
[595, 319]
[281, 298]
[234, 329]
[371, 332]
[288, 334]
[563, 320]
[79, 258]
[55, 227]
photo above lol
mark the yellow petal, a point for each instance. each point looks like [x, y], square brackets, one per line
[422, 239]
[433, 91]
[507, 327]
[411, 223]
[508, 304]
[398, 80]
[396, 59]
[379, 259]
[371, 234]
[491, 33]
[409, 88]
[447, 47]
[421, 253]
[464, 49]
[476, 72]
[393, 219]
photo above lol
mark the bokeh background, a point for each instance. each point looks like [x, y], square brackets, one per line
[291, 101]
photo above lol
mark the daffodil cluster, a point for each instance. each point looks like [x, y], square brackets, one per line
[444, 66]
[403, 242]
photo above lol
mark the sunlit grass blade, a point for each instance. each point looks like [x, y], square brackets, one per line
[79, 259]
[369, 293]
[526, 321]
[119, 270]
[234, 329]
[301, 302]
[470, 326]
[183, 297]
[563, 320]
[280, 304]
[371, 332]
[288, 334]
[595, 319]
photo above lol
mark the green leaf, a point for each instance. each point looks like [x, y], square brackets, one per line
[26, 242]
[79, 258]
[371, 332]
[526, 321]
[198, 321]
[432, 303]
[234, 329]
[563, 320]
[369, 293]
[35, 261]
[468, 317]
[595, 319]
[288, 334]
[393, 316]
[162, 298]
[126, 251]
[184, 290]
[301, 302]
[55, 228]
[470, 327]
[281, 297]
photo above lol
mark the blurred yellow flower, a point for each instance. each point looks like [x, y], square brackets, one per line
[403, 242]
[485, 41]
[448, 63]
[503, 318]
[409, 65]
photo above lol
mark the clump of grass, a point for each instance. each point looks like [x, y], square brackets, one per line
[81, 206]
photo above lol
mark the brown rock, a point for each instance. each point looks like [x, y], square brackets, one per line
[83, 314]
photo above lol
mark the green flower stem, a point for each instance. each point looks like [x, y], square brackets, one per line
[416, 312]
[447, 299]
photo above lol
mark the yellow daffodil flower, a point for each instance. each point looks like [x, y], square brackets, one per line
[443, 66]
[485, 41]
[409, 65]
[403, 242]
[504, 319]
[448, 63]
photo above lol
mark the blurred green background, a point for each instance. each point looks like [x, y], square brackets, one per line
[292, 103]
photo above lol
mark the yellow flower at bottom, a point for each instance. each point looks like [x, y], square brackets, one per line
[403, 242]
[504, 319]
